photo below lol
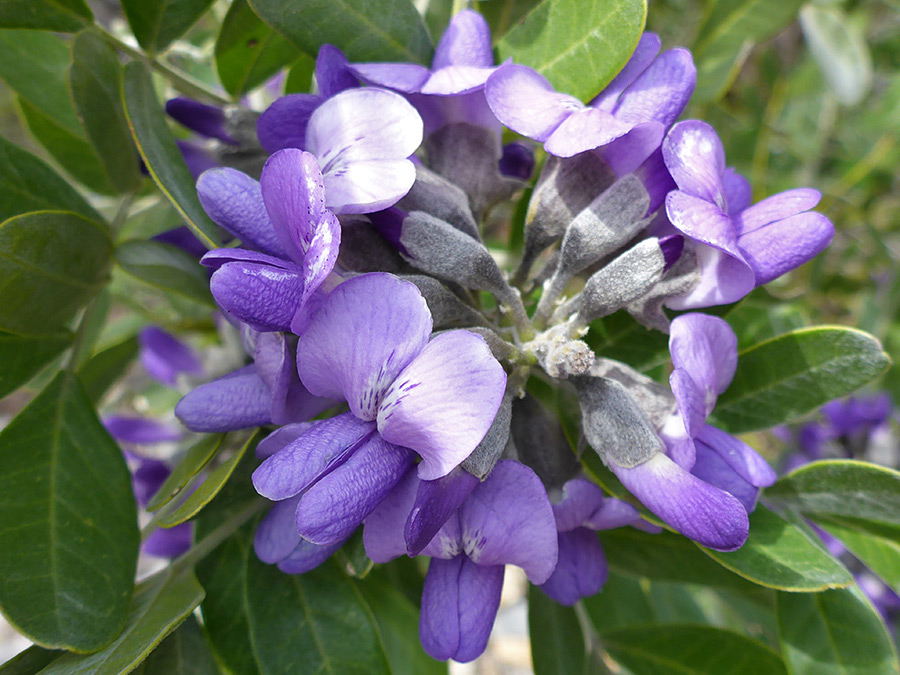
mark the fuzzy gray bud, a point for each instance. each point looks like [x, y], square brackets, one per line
[437, 196]
[489, 451]
[446, 307]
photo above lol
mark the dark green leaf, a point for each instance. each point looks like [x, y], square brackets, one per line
[352, 557]
[167, 267]
[160, 604]
[30, 662]
[248, 52]
[699, 650]
[622, 338]
[260, 620]
[879, 554]
[21, 356]
[579, 45]
[51, 262]
[837, 632]
[65, 497]
[197, 456]
[106, 367]
[157, 23]
[780, 555]
[375, 30]
[502, 15]
[785, 377]
[95, 80]
[184, 652]
[557, 645]
[622, 602]
[63, 16]
[299, 77]
[28, 184]
[162, 157]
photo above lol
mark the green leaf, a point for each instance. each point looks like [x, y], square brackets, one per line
[63, 16]
[167, 267]
[780, 555]
[788, 376]
[879, 554]
[28, 184]
[51, 263]
[25, 355]
[105, 368]
[260, 620]
[579, 45]
[834, 633]
[622, 338]
[160, 604]
[162, 157]
[839, 48]
[30, 662]
[184, 652]
[65, 498]
[300, 74]
[197, 456]
[622, 602]
[557, 645]
[157, 23]
[502, 15]
[699, 650]
[374, 30]
[95, 81]
[248, 52]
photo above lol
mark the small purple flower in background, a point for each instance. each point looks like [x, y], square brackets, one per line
[164, 357]
[206, 120]
[507, 520]
[738, 246]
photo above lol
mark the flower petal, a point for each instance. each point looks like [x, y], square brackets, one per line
[164, 356]
[240, 400]
[586, 129]
[723, 279]
[169, 543]
[206, 120]
[276, 536]
[711, 468]
[369, 185]
[581, 570]
[284, 123]
[479, 600]
[660, 93]
[264, 297]
[581, 498]
[140, 430]
[383, 530]
[308, 556]
[435, 502]
[455, 80]
[777, 207]
[647, 49]
[738, 192]
[465, 42]
[614, 513]
[781, 247]
[333, 74]
[443, 403]
[695, 158]
[281, 437]
[706, 347]
[405, 77]
[748, 463]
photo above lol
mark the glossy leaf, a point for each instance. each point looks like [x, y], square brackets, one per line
[253, 611]
[65, 497]
[837, 632]
[699, 650]
[780, 555]
[879, 554]
[375, 30]
[63, 16]
[839, 47]
[95, 81]
[156, 144]
[157, 23]
[52, 262]
[25, 355]
[788, 376]
[167, 267]
[579, 45]
[299, 76]
[31, 661]
[196, 457]
[105, 368]
[160, 604]
[557, 645]
[184, 652]
[248, 52]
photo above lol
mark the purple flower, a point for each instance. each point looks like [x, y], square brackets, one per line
[164, 356]
[206, 120]
[507, 520]
[369, 345]
[738, 246]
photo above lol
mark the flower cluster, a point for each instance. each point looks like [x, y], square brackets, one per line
[398, 360]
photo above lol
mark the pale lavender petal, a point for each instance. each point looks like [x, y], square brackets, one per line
[336, 505]
[277, 365]
[206, 120]
[655, 177]
[367, 331]
[284, 123]
[456, 80]
[647, 49]
[333, 73]
[580, 500]
[234, 201]
[581, 570]
[723, 279]
[240, 400]
[702, 220]
[276, 536]
[479, 600]
[169, 543]
[366, 186]
[526, 102]
[307, 556]
[614, 513]
[706, 514]
[508, 520]
[435, 502]
[319, 451]
[710, 467]
[220, 256]
[748, 463]
[660, 93]
[140, 430]
[281, 437]
[695, 158]
[264, 297]
[628, 152]
[443, 403]
[738, 193]
[164, 356]
[383, 529]
[465, 42]
[586, 129]
[777, 207]
[783, 246]
[405, 77]
[706, 347]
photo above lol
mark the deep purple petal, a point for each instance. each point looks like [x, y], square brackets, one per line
[465, 42]
[517, 161]
[196, 157]
[276, 537]
[644, 54]
[383, 531]
[777, 207]
[695, 158]
[283, 124]
[281, 437]
[743, 459]
[581, 570]
[580, 500]
[164, 356]
[626, 153]
[660, 93]
[264, 297]
[321, 449]
[337, 504]
[140, 430]
[858, 413]
[781, 247]
[405, 77]
[442, 404]
[240, 400]
[307, 556]
[367, 330]
[148, 477]
[587, 129]
[614, 513]
[277, 365]
[706, 347]
[738, 193]
[711, 468]
[435, 501]
[692, 405]
[333, 74]
[206, 120]
[169, 543]
[508, 520]
[220, 256]
[479, 600]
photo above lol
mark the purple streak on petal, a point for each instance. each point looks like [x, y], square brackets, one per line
[614, 513]
[140, 430]
[206, 120]
[525, 101]
[164, 356]
[644, 54]
[706, 514]
[580, 500]
[240, 400]
[283, 124]
[367, 330]
[743, 459]
[234, 201]
[781, 247]
[276, 536]
[581, 570]
[711, 468]
[383, 531]
[772, 209]
[738, 193]
[672, 247]
[465, 42]
[196, 157]
[479, 600]
[264, 297]
[442, 404]
[508, 520]
[660, 93]
[320, 450]
[404, 77]
[308, 556]
[182, 237]
[335, 506]
[169, 543]
[694, 156]
[281, 437]
[706, 347]
[333, 73]
[587, 129]
[435, 501]
[517, 161]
